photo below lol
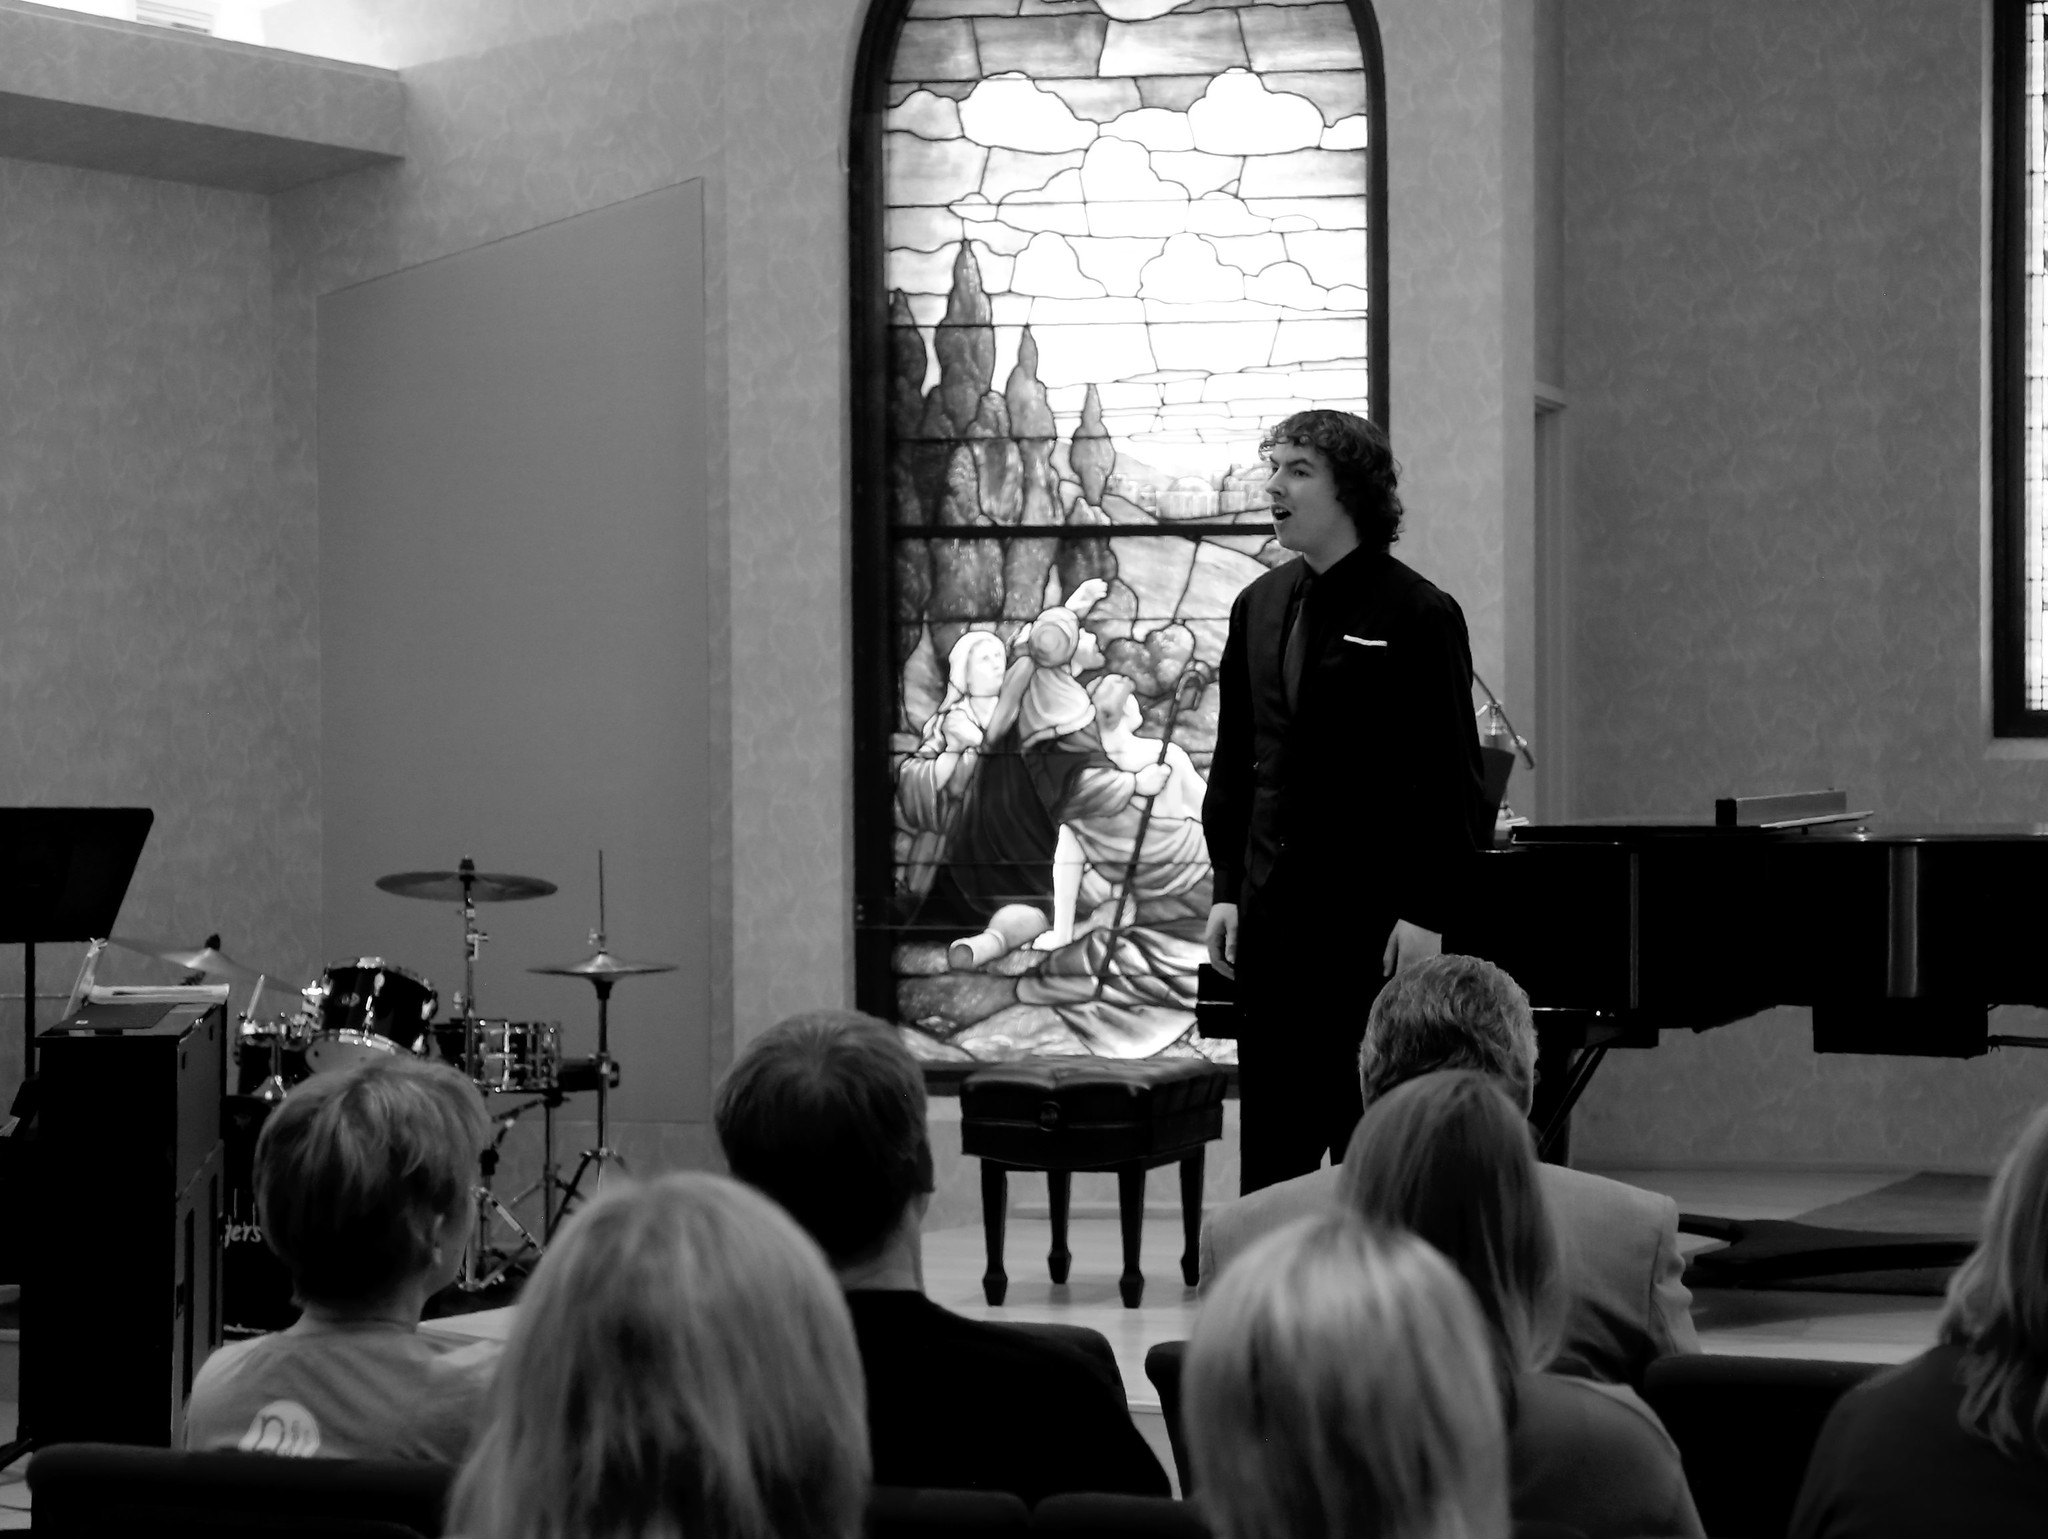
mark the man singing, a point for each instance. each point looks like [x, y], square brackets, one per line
[1344, 801]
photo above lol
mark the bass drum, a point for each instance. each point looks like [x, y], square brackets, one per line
[364, 1009]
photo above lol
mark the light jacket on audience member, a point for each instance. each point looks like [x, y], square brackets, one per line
[1620, 1253]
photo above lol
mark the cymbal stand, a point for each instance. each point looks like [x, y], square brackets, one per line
[472, 939]
[603, 1154]
[477, 1271]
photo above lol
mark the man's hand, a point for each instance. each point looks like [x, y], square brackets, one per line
[1151, 780]
[1220, 935]
[1407, 944]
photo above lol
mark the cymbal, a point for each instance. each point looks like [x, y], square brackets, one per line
[447, 886]
[208, 959]
[603, 966]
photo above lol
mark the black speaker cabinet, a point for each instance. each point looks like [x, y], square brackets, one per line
[121, 1286]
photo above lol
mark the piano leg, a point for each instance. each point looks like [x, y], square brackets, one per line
[1552, 1138]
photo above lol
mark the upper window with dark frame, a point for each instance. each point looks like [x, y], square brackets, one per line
[1099, 247]
[2019, 350]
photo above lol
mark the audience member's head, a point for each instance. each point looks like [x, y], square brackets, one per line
[363, 1180]
[682, 1364]
[1338, 1387]
[1449, 1158]
[1450, 1012]
[826, 1114]
[1998, 1305]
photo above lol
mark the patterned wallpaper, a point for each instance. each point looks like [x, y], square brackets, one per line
[155, 643]
[1446, 302]
[1771, 286]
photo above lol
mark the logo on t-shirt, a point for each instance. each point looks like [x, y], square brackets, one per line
[283, 1427]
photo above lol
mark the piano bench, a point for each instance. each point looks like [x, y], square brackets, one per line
[1060, 1115]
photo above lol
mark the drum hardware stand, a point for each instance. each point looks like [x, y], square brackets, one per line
[603, 970]
[477, 1273]
[472, 939]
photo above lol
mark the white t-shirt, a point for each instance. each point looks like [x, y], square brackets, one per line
[367, 1389]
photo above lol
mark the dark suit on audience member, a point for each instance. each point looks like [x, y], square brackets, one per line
[1328, 820]
[1622, 1270]
[962, 1405]
[1893, 1462]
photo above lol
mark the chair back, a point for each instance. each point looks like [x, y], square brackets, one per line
[92, 1489]
[904, 1512]
[1745, 1427]
[1092, 1515]
[1162, 1367]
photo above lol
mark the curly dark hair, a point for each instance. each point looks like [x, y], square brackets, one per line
[1362, 460]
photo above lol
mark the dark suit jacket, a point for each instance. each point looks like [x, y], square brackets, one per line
[963, 1405]
[1365, 799]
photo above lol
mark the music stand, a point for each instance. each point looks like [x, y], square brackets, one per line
[63, 874]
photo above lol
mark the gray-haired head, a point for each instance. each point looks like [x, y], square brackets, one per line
[1450, 1012]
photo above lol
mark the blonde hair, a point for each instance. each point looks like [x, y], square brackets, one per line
[1338, 1387]
[355, 1172]
[1997, 1309]
[682, 1364]
[1450, 1158]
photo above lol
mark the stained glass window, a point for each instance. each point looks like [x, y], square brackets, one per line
[1114, 241]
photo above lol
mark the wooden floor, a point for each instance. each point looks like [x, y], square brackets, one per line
[1846, 1326]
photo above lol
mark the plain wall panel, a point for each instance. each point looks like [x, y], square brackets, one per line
[513, 621]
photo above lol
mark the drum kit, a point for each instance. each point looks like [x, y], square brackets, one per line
[362, 1008]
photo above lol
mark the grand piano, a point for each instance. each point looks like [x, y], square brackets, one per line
[1899, 938]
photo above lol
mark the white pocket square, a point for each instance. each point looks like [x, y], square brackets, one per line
[1365, 641]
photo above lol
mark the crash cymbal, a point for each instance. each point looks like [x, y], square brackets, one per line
[208, 958]
[602, 964]
[448, 886]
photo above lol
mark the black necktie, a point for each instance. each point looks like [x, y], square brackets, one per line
[1295, 658]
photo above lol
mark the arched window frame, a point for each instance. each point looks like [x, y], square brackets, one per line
[873, 665]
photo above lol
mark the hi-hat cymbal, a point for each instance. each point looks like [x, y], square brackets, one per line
[208, 959]
[603, 965]
[449, 886]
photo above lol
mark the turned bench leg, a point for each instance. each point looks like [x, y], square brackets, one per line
[1059, 1186]
[1130, 1204]
[1191, 1215]
[995, 1202]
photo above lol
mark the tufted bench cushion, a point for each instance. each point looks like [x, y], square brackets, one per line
[1060, 1115]
[1090, 1113]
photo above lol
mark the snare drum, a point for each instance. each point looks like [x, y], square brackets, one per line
[523, 1056]
[366, 1008]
